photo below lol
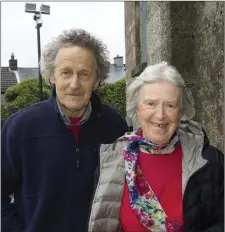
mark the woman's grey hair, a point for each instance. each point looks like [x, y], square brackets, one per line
[156, 73]
[80, 38]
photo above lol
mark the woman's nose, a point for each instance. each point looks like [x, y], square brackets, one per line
[159, 114]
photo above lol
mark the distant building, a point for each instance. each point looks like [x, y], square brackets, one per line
[13, 74]
[117, 70]
[27, 72]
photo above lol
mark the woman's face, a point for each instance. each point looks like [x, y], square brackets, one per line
[159, 111]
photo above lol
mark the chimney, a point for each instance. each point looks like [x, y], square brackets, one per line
[13, 63]
[118, 61]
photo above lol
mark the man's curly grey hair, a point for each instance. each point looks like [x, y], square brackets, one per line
[156, 73]
[75, 37]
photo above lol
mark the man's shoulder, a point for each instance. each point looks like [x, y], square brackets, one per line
[109, 110]
[29, 115]
[113, 117]
[112, 125]
[111, 114]
[32, 111]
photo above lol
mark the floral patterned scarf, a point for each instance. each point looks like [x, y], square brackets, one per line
[142, 199]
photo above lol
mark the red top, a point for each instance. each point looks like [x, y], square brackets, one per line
[164, 175]
[75, 129]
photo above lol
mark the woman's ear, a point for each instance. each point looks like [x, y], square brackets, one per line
[137, 111]
[181, 114]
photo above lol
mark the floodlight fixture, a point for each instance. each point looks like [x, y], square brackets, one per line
[30, 7]
[45, 9]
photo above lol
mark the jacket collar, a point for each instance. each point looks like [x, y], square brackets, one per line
[193, 139]
[93, 110]
[67, 121]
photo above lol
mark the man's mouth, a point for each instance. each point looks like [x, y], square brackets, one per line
[160, 125]
[75, 95]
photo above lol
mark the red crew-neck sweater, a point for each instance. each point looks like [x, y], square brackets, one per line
[164, 175]
[75, 129]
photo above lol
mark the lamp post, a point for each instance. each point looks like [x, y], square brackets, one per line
[44, 9]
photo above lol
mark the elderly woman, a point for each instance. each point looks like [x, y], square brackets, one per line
[163, 176]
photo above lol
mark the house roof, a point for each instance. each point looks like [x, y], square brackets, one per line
[116, 73]
[27, 73]
[8, 78]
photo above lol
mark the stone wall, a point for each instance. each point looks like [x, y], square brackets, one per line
[197, 51]
[158, 32]
[131, 11]
[190, 36]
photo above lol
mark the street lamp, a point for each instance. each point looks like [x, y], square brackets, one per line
[44, 9]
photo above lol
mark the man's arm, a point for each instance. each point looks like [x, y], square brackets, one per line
[10, 171]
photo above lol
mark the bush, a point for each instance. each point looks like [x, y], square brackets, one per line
[26, 94]
[22, 95]
[114, 94]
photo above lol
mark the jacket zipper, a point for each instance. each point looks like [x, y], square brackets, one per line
[94, 191]
[184, 211]
[78, 160]
[77, 154]
[78, 166]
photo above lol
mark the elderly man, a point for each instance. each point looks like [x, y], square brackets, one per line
[50, 151]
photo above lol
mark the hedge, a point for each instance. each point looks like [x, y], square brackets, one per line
[26, 94]
[22, 95]
[114, 94]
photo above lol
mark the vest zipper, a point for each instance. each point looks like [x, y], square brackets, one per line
[96, 184]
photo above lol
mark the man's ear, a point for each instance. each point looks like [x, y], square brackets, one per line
[52, 79]
[97, 82]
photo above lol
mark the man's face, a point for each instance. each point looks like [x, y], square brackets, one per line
[74, 78]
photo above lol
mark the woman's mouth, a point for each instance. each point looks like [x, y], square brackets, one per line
[160, 125]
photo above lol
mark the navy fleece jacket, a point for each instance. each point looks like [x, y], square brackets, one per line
[50, 175]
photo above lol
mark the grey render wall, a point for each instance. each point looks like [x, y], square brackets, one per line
[190, 35]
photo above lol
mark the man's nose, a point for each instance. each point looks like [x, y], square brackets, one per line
[75, 82]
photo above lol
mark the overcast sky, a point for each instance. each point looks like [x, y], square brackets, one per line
[18, 34]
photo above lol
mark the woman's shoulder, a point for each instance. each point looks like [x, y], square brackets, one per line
[113, 150]
[213, 155]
